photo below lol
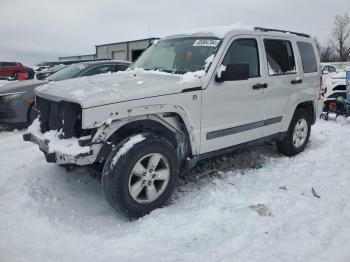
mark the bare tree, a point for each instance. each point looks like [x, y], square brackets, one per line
[327, 54]
[318, 45]
[341, 33]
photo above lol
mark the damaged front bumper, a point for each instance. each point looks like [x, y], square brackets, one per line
[59, 156]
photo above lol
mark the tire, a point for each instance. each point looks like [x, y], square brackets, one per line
[324, 116]
[294, 143]
[32, 114]
[15, 76]
[130, 183]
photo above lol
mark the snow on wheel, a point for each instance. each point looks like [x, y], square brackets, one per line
[140, 174]
[298, 134]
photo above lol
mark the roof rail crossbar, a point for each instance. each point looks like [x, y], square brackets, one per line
[262, 29]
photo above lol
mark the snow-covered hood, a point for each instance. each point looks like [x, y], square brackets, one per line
[118, 87]
[21, 86]
[336, 79]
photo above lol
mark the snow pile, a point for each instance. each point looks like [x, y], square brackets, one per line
[216, 31]
[192, 76]
[3, 82]
[221, 69]
[251, 206]
[55, 143]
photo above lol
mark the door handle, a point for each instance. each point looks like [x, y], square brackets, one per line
[260, 86]
[296, 81]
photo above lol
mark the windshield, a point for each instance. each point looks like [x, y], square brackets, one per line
[67, 73]
[179, 55]
[57, 67]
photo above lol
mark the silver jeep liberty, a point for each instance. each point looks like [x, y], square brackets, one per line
[190, 96]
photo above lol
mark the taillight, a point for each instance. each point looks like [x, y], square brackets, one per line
[320, 92]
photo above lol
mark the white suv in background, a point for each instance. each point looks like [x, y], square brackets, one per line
[190, 96]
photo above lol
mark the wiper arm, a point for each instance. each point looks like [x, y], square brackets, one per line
[174, 71]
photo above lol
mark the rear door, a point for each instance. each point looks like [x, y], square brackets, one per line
[283, 78]
[311, 71]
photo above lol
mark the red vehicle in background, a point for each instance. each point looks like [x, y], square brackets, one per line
[12, 70]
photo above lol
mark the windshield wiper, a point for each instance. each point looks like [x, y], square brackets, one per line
[174, 71]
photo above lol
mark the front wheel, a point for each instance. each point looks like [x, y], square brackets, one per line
[140, 174]
[298, 134]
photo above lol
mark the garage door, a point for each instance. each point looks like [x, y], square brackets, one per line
[119, 55]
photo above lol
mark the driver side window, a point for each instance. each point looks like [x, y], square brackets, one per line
[244, 51]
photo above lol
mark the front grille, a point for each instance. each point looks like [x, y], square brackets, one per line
[61, 116]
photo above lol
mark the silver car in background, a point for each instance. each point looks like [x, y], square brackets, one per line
[17, 99]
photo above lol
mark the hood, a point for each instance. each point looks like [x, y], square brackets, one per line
[340, 75]
[20, 86]
[118, 87]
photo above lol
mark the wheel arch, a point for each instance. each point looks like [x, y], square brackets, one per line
[303, 99]
[309, 107]
[168, 125]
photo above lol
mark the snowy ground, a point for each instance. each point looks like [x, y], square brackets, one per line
[5, 82]
[47, 214]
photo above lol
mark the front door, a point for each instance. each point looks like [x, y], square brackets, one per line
[233, 112]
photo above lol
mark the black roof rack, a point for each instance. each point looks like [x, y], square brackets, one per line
[262, 29]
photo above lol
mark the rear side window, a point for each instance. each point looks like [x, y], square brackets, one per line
[308, 57]
[280, 57]
[244, 51]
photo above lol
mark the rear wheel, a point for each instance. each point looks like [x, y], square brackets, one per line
[140, 174]
[298, 134]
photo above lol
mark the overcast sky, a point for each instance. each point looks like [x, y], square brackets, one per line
[32, 31]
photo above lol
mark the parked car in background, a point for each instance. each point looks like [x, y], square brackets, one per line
[49, 71]
[328, 68]
[188, 97]
[335, 87]
[17, 99]
[38, 68]
[11, 70]
[29, 72]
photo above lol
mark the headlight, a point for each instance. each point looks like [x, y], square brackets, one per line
[10, 96]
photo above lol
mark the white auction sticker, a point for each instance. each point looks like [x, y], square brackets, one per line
[206, 42]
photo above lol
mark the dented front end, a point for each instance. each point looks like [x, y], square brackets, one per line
[58, 133]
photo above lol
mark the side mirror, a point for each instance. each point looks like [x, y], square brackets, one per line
[233, 72]
[325, 72]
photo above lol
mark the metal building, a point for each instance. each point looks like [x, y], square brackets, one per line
[77, 58]
[128, 50]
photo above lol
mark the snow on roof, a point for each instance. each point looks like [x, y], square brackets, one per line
[217, 31]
